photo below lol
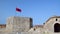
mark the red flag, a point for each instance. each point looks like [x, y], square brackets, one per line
[18, 9]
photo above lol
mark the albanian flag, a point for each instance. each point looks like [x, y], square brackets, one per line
[18, 9]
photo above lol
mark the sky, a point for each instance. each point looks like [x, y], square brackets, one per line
[39, 10]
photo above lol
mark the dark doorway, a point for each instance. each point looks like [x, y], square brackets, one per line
[57, 27]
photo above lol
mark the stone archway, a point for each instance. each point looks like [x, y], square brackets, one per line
[56, 27]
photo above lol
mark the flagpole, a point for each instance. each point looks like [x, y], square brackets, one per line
[17, 10]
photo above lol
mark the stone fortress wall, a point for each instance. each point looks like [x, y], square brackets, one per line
[24, 25]
[16, 24]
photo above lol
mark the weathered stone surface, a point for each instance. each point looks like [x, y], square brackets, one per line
[19, 24]
[23, 25]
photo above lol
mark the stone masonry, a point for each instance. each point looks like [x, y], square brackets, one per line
[23, 25]
[19, 24]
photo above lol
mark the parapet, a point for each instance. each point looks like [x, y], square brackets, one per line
[21, 24]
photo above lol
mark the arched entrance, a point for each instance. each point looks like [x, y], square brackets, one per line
[57, 27]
